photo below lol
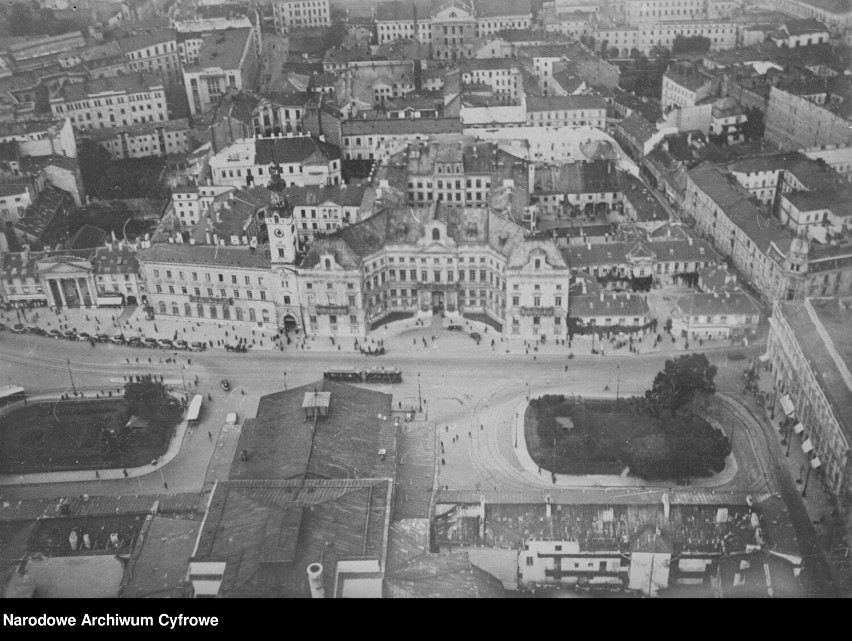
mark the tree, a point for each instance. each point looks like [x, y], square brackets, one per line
[635, 53]
[680, 380]
[151, 401]
[613, 52]
[690, 44]
[650, 456]
[754, 125]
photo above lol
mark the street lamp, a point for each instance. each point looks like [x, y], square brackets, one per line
[68, 360]
[419, 395]
[618, 381]
[592, 325]
[285, 381]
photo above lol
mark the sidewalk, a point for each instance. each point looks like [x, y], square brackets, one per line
[818, 500]
[403, 336]
[103, 475]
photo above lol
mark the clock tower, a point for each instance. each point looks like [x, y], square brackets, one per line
[283, 239]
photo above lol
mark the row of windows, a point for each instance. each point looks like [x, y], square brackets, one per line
[213, 312]
[222, 292]
[208, 277]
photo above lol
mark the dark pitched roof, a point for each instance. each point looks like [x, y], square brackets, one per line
[500, 8]
[87, 237]
[157, 566]
[445, 576]
[206, 255]
[282, 444]
[295, 149]
[268, 532]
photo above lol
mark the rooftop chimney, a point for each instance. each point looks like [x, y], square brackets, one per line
[315, 581]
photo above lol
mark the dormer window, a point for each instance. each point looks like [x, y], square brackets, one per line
[538, 263]
[436, 234]
[327, 263]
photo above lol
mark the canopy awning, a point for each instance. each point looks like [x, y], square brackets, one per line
[798, 428]
[807, 446]
[787, 405]
[816, 463]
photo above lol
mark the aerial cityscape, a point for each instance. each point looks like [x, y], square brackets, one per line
[425, 298]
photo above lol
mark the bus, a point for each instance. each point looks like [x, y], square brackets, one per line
[352, 375]
[193, 414]
[383, 375]
[11, 394]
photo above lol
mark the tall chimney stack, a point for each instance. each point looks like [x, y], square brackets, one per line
[315, 581]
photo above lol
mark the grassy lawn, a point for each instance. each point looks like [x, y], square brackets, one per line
[574, 436]
[76, 435]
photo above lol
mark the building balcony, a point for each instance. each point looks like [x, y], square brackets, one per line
[538, 311]
[332, 309]
[211, 300]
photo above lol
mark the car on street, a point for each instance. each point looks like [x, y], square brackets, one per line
[149, 342]
[454, 328]
[70, 334]
[3, 326]
[135, 341]
[33, 329]
[181, 344]
[476, 336]
[197, 346]
[18, 328]
[117, 339]
[54, 333]
[165, 343]
[84, 336]
[226, 385]
[102, 338]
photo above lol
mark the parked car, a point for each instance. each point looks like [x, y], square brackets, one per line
[54, 333]
[102, 338]
[70, 333]
[454, 328]
[181, 344]
[149, 342]
[33, 329]
[18, 328]
[117, 339]
[84, 336]
[476, 336]
[226, 385]
[135, 341]
[197, 346]
[165, 343]
[3, 326]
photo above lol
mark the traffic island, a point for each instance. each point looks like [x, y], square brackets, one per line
[74, 433]
[577, 436]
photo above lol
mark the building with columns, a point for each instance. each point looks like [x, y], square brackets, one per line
[67, 280]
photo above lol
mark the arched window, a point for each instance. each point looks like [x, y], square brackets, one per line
[275, 219]
[162, 307]
[436, 234]
[200, 310]
[327, 263]
[214, 312]
[175, 309]
[538, 263]
[187, 309]
[252, 315]
[239, 313]
[265, 314]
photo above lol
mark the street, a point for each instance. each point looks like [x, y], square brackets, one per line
[469, 390]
